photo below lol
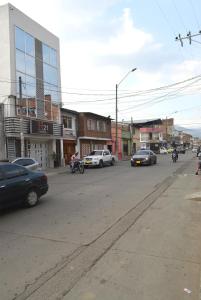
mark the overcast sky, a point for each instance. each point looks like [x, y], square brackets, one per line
[101, 40]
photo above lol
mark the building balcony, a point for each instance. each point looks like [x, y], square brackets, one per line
[69, 133]
[151, 130]
[13, 126]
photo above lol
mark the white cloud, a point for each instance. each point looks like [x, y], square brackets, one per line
[99, 46]
[186, 69]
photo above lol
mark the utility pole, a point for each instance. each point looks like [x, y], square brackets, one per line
[116, 125]
[116, 109]
[189, 37]
[21, 118]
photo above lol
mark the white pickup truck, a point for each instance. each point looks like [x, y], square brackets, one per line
[99, 158]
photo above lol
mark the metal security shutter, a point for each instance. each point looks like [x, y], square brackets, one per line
[85, 149]
[11, 149]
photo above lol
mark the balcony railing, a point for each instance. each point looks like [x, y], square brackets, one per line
[12, 126]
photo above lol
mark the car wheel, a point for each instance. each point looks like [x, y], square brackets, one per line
[31, 198]
[101, 165]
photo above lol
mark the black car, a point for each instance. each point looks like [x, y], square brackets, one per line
[19, 185]
[143, 157]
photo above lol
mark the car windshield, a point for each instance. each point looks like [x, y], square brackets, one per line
[96, 152]
[142, 152]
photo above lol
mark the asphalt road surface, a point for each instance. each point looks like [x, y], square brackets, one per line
[36, 244]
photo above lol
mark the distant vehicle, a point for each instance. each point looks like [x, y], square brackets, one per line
[99, 158]
[20, 185]
[181, 149]
[163, 150]
[143, 157]
[194, 150]
[27, 162]
[170, 150]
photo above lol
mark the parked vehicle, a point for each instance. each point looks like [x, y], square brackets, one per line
[194, 150]
[20, 185]
[143, 157]
[99, 158]
[27, 162]
[163, 150]
[77, 166]
[170, 150]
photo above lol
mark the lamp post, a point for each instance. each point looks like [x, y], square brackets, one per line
[116, 89]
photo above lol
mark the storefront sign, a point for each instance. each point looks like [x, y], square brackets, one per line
[41, 127]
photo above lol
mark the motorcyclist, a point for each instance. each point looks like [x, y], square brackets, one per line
[198, 151]
[74, 159]
[198, 164]
[175, 153]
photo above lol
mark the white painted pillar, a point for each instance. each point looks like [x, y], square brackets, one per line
[62, 152]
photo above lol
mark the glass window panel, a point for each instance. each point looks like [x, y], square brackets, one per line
[30, 86]
[47, 92]
[51, 92]
[20, 61]
[53, 57]
[18, 75]
[69, 122]
[19, 39]
[30, 44]
[21, 106]
[55, 96]
[46, 53]
[55, 112]
[32, 107]
[65, 122]
[30, 65]
[50, 74]
[48, 110]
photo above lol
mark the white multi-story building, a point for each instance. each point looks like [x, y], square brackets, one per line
[30, 89]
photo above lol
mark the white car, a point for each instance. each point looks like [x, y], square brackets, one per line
[163, 150]
[27, 162]
[99, 158]
[194, 150]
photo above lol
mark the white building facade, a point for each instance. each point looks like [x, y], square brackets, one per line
[30, 89]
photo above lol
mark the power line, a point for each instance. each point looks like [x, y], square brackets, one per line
[158, 99]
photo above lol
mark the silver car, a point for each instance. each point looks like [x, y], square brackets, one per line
[143, 157]
[27, 162]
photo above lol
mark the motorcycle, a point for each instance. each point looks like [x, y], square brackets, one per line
[174, 157]
[77, 166]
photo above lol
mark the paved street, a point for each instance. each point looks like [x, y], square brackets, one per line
[80, 219]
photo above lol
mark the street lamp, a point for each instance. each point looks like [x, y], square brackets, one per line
[117, 85]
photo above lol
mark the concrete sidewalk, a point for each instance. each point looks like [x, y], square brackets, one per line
[159, 257]
[56, 171]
